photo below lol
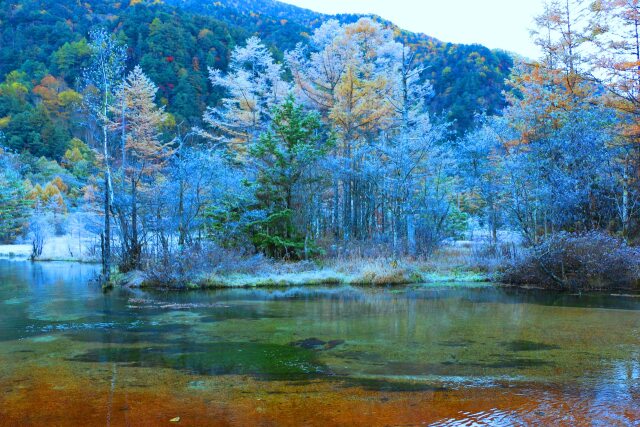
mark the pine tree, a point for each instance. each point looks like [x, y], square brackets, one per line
[284, 157]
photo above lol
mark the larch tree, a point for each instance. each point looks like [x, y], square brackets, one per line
[345, 76]
[616, 63]
[616, 29]
[253, 86]
[144, 155]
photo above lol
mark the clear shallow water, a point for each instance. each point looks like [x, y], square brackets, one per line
[71, 355]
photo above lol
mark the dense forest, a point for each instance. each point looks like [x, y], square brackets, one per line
[172, 131]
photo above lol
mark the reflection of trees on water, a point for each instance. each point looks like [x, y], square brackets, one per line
[45, 294]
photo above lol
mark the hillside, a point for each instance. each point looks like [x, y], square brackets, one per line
[467, 79]
[175, 42]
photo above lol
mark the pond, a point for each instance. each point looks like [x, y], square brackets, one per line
[445, 355]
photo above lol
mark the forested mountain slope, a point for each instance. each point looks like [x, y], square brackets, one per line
[43, 48]
[467, 79]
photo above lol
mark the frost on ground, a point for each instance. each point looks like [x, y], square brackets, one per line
[59, 248]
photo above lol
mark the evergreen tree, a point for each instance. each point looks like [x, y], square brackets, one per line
[284, 157]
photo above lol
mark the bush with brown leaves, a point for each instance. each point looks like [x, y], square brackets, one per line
[578, 261]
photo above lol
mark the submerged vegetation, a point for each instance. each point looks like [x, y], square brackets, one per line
[379, 228]
[330, 355]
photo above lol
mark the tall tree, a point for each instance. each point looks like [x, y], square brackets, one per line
[252, 87]
[102, 77]
[345, 76]
[143, 157]
[284, 158]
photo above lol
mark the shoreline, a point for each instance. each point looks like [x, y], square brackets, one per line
[321, 277]
[382, 273]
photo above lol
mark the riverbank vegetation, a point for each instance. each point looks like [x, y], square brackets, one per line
[326, 162]
[230, 270]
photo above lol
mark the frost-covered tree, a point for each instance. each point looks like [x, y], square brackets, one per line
[252, 86]
[616, 29]
[102, 78]
[345, 74]
[481, 156]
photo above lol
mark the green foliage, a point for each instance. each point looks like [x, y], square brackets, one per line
[176, 41]
[79, 158]
[70, 59]
[286, 151]
[14, 205]
[283, 155]
[33, 131]
[173, 46]
[457, 223]
[277, 237]
[467, 80]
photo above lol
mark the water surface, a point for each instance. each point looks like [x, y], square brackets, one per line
[446, 355]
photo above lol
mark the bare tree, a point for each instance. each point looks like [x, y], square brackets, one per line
[102, 78]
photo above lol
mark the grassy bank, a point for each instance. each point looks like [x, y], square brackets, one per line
[457, 263]
[325, 276]
[328, 277]
[449, 265]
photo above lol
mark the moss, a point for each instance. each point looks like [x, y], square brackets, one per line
[265, 361]
[524, 345]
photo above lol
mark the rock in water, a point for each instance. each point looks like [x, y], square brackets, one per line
[309, 343]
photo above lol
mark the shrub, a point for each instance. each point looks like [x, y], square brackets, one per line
[181, 268]
[585, 261]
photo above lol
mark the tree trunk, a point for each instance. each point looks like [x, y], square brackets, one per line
[135, 244]
[106, 248]
[411, 235]
[181, 226]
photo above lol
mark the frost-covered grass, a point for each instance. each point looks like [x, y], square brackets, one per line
[60, 248]
[306, 278]
[455, 276]
[15, 251]
[223, 269]
[361, 272]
